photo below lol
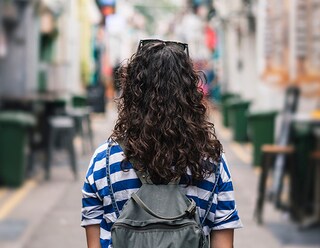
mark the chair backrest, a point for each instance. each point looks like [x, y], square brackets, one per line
[291, 99]
[290, 107]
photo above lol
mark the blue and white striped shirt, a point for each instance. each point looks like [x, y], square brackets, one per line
[97, 205]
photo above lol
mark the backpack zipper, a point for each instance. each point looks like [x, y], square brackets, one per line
[152, 226]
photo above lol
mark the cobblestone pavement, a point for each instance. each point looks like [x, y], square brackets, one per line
[47, 214]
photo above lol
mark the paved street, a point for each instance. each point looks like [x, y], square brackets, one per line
[47, 214]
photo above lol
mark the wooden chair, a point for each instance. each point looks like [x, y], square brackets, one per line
[278, 156]
[269, 153]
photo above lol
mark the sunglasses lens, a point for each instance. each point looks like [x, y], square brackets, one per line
[178, 45]
[145, 42]
[182, 46]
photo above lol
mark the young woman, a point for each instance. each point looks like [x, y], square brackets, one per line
[163, 126]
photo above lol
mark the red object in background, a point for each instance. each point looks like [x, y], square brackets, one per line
[108, 10]
[211, 38]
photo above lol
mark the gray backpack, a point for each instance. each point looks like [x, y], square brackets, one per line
[158, 216]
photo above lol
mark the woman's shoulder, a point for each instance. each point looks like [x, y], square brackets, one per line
[220, 169]
[110, 148]
[225, 173]
[110, 153]
[220, 174]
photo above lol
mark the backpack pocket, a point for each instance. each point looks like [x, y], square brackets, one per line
[158, 235]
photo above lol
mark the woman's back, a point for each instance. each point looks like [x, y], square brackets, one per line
[164, 129]
[223, 213]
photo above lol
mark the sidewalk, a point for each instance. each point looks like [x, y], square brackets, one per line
[47, 214]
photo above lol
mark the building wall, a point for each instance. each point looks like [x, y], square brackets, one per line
[72, 67]
[32, 49]
[17, 69]
[86, 33]
[244, 61]
[64, 72]
[248, 81]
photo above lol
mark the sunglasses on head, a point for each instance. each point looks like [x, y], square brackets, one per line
[182, 46]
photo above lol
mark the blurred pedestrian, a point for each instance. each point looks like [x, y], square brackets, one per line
[116, 79]
[162, 127]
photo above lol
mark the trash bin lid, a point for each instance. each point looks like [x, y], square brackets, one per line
[232, 100]
[226, 95]
[262, 114]
[17, 118]
[302, 129]
[238, 102]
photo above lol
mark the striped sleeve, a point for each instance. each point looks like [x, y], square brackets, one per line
[92, 204]
[226, 216]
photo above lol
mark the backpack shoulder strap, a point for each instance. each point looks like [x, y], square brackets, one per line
[141, 175]
[217, 176]
[114, 203]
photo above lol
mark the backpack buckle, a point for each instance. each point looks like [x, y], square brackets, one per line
[191, 210]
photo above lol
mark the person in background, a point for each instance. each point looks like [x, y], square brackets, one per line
[116, 79]
[163, 126]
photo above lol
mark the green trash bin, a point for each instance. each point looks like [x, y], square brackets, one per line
[224, 106]
[79, 101]
[13, 146]
[261, 127]
[304, 141]
[237, 114]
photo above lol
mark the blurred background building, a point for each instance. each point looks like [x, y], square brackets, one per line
[58, 63]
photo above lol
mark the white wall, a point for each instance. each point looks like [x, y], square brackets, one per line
[248, 82]
[64, 73]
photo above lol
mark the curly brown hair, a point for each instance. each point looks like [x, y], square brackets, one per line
[162, 120]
